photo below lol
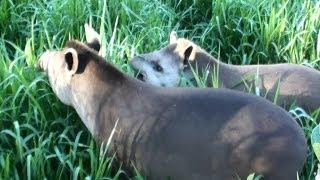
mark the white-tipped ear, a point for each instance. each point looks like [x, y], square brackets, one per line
[173, 37]
[91, 34]
[71, 60]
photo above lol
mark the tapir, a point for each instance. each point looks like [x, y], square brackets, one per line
[176, 133]
[284, 84]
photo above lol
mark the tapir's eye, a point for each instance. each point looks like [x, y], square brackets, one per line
[157, 67]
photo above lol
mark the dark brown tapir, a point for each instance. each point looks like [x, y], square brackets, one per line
[284, 84]
[181, 133]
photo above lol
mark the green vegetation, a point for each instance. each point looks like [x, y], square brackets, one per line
[42, 138]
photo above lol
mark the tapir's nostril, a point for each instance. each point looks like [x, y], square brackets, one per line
[139, 57]
[142, 57]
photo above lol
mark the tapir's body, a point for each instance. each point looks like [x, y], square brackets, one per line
[182, 133]
[175, 133]
[285, 84]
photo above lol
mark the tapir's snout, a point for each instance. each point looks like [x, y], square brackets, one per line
[136, 64]
[43, 60]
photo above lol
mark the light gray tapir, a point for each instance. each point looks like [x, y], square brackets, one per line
[181, 133]
[285, 84]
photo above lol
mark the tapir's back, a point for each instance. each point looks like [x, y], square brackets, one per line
[285, 84]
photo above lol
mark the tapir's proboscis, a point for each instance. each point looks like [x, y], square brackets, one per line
[285, 84]
[181, 133]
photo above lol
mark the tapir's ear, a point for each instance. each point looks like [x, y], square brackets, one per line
[187, 54]
[173, 37]
[95, 45]
[93, 38]
[72, 61]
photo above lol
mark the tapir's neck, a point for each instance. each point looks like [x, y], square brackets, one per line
[85, 105]
[224, 72]
[91, 91]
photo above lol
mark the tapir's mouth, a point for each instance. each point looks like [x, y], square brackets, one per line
[135, 64]
[141, 77]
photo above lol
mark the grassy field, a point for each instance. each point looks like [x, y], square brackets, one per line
[42, 138]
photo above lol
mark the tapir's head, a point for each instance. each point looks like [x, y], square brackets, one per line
[60, 66]
[163, 67]
[63, 65]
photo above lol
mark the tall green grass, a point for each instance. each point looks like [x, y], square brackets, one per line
[42, 138]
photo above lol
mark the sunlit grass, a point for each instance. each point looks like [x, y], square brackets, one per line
[42, 138]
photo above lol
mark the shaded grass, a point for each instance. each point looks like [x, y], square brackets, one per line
[40, 137]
